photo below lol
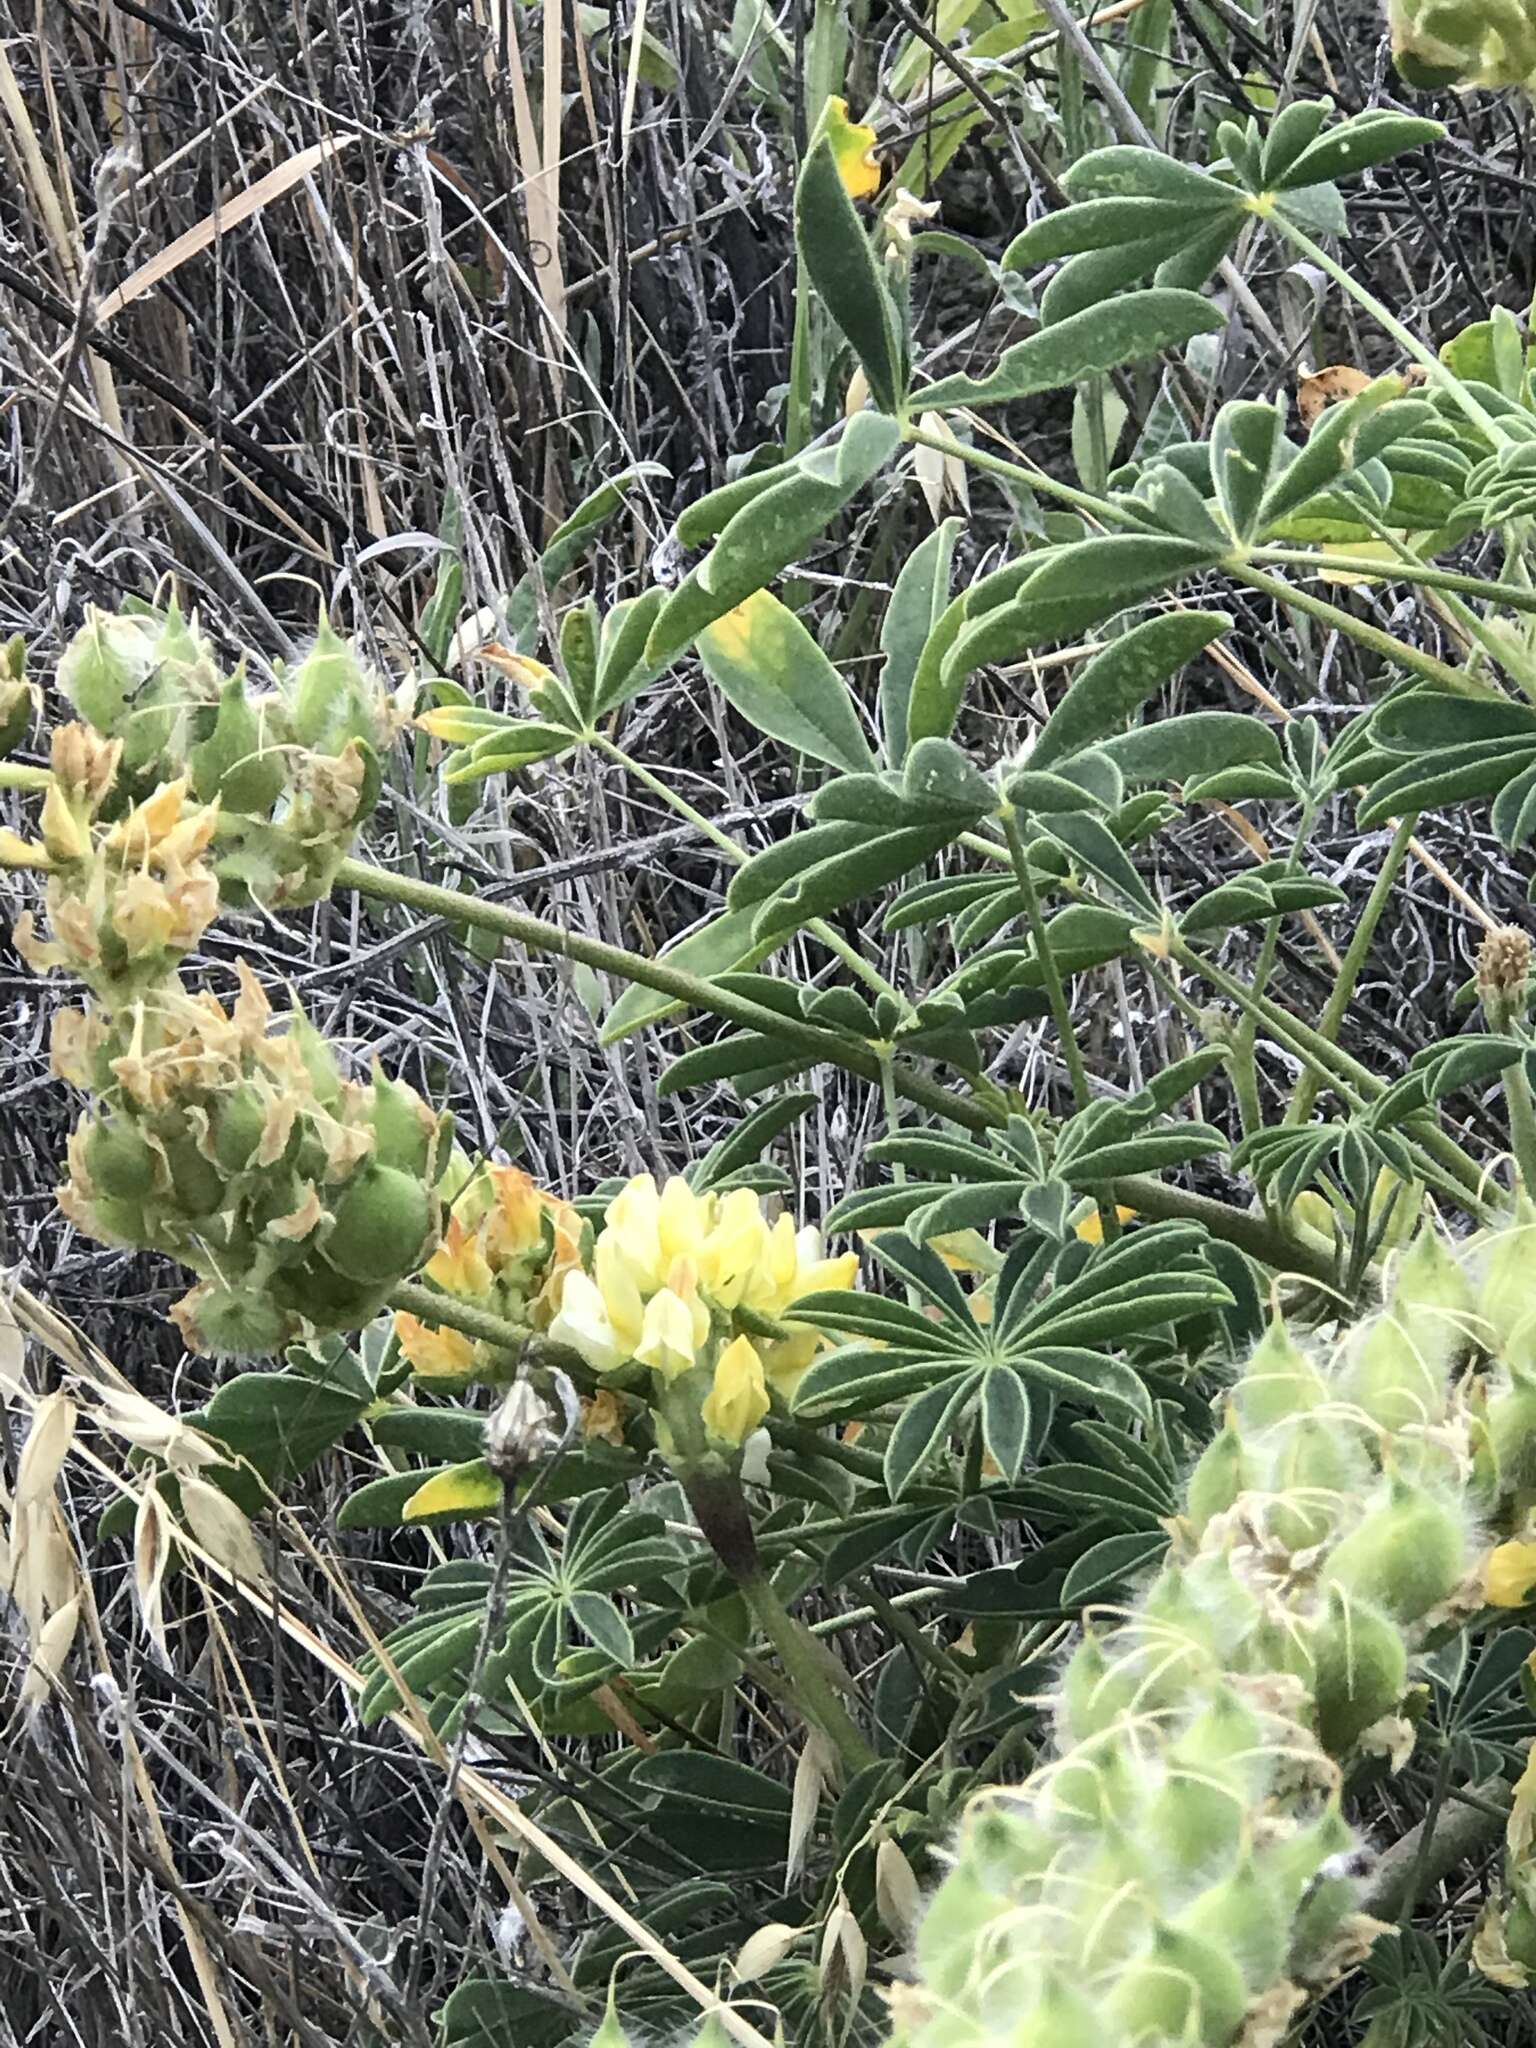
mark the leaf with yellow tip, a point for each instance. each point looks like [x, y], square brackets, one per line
[469, 1489]
[853, 150]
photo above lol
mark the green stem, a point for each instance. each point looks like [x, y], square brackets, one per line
[834, 941]
[1246, 1073]
[1055, 990]
[17, 775]
[1387, 645]
[1408, 569]
[1405, 338]
[1342, 993]
[804, 1664]
[1522, 1122]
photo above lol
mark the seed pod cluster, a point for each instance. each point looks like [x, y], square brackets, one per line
[232, 1141]
[1180, 1870]
[294, 770]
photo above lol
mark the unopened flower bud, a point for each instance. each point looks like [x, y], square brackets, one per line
[105, 664]
[518, 1435]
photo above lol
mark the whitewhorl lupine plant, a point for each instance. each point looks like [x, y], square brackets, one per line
[700, 1416]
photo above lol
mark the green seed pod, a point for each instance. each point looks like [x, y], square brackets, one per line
[323, 1296]
[120, 1161]
[1184, 1989]
[1510, 1424]
[949, 1932]
[1242, 1916]
[1279, 1381]
[1315, 1928]
[1520, 1933]
[1292, 1862]
[1220, 1475]
[106, 664]
[1315, 1472]
[1392, 1379]
[238, 1124]
[1061, 2017]
[118, 1221]
[1094, 1691]
[1360, 1670]
[197, 1187]
[1092, 1787]
[384, 1220]
[319, 1060]
[238, 762]
[1006, 1847]
[1205, 1604]
[233, 1322]
[404, 1129]
[1195, 1823]
[328, 694]
[1432, 1297]
[1225, 1738]
[1506, 1299]
[1408, 1555]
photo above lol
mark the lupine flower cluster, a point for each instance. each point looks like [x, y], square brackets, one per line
[1181, 1870]
[220, 1135]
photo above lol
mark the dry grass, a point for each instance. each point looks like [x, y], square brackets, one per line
[280, 285]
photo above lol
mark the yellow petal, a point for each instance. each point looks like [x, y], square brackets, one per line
[667, 1336]
[1509, 1577]
[738, 1400]
[434, 1353]
[1091, 1229]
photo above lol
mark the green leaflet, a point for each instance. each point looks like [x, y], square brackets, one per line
[1099, 338]
[840, 263]
[773, 672]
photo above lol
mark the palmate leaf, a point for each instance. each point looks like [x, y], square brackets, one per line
[943, 1367]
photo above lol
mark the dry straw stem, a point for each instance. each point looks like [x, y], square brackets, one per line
[479, 1794]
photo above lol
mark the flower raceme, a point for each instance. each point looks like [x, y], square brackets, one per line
[508, 1247]
[682, 1282]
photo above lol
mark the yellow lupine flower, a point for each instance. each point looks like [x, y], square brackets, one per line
[738, 1400]
[584, 1323]
[730, 1253]
[1091, 1229]
[1509, 1576]
[434, 1353]
[668, 1336]
[459, 1263]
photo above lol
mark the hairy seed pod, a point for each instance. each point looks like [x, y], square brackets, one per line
[232, 1322]
[105, 664]
[1195, 1823]
[1006, 1846]
[1407, 1556]
[1432, 1297]
[120, 1161]
[1506, 1300]
[1242, 1916]
[1184, 1989]
[1224, 1738]
[383, 1223]
[1360, 1670]
[239, 1121]
[1391, 1379]
[1292, 1862]
[1094, 1786]
[314, 1289]
[1278, 1381]
[239, 763]
[1315, 1470]
[1510, 1423]
[197, 1187]
[1061, 2017]
[328, 694]
[404, 1129]
[950, 1931]
[1094, 1692]
[1220, 1475]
